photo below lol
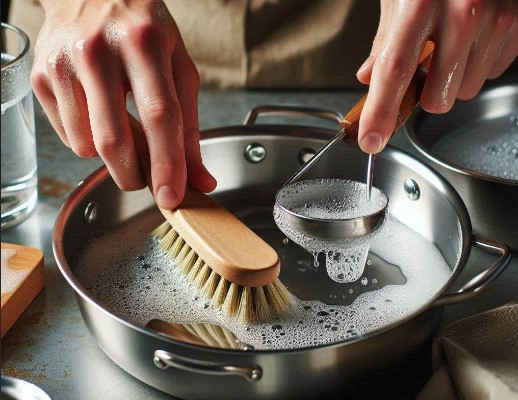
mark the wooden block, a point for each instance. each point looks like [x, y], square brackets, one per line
[23, 277]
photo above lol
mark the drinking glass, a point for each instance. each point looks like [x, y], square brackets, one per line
[19, 165]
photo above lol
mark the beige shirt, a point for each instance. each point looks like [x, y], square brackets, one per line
[263, 43]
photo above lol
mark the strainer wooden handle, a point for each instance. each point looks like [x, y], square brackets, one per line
[350, 123]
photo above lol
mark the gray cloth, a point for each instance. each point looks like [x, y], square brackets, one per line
[477, 358]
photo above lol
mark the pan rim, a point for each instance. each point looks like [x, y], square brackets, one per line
[390, 152]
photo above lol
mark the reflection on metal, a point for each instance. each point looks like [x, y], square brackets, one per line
[305, 155]
[91, 212]
[163, 360]
[255, 153]
[412, 189]
[14, 388]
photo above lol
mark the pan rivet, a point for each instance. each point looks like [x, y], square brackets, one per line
[90, 212]
[305, 155]
[159, 363]
[256, 374]
[412, 189]
[255, 153]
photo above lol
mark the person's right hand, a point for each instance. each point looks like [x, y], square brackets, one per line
[474, 40]
[88, 56]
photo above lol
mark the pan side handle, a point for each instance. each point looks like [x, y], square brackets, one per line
[164, 360]
[286, 110]
[482, 280]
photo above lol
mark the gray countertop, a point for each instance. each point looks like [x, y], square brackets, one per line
[50, 345]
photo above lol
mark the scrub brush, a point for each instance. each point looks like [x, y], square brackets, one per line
[197, 333]
[223, 258]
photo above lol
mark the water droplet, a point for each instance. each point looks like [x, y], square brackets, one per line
[285, 240]
[364, 281]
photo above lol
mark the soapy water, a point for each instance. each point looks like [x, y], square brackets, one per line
[488, 147]
[331, 199]
[138, 282]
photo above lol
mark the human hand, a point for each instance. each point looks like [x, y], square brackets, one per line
[88, 56]
[474, 40]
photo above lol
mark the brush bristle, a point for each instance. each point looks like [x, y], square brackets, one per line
[246, 304]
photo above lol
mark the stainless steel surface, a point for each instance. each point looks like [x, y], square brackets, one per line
[255, 152]
[483, 279]
[91, 212]
[492, 202]
[438, 215]
[370, 175]
[300, 111]
[43, 346]
[164, 360]
[315, 227]
[412, 189]
[313, 160]
[17, 389]
[337, 229]
[291, 110]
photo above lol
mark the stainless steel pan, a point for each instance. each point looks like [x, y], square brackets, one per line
[492, 202]
[251, 162]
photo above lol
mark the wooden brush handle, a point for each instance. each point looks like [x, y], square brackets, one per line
[350, 123]
[222, 241]
[227, 245]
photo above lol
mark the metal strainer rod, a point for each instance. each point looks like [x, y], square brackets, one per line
[350, 123]
[337, 138]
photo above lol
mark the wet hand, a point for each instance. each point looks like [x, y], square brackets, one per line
[89, 55]
[474, 40]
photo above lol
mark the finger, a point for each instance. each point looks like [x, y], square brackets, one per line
[391, 75]
[71, 105]
[42, 89]
[186, 80]
[508, 49]
[485, 51]
[453, 46]
[364, 72]
[152, 84]
[481, 58]
[100, 69]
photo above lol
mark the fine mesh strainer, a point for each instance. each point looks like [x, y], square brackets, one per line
[306, 210]
[329, 210]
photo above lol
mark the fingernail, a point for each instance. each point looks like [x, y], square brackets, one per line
[365, 65]
[166, 197]
[371, 143]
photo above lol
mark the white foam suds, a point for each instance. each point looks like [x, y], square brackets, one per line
[489, 147]
[330, 199]
[11, 277]
[138, 282]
